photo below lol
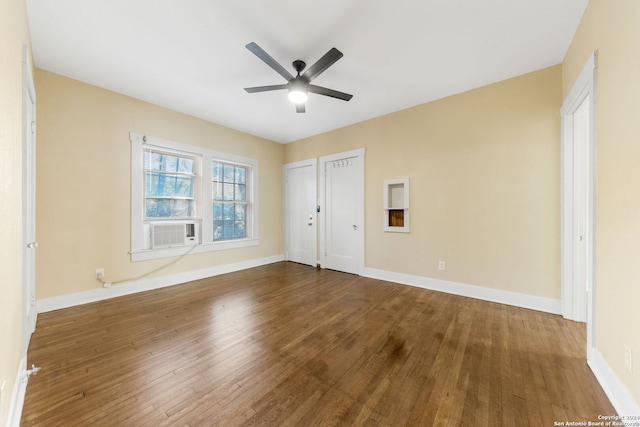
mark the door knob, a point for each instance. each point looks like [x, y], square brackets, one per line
[32, 245]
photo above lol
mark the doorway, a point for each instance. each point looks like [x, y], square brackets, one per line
[578, 200]
[28, 204]
[300, 180]
[342, 211]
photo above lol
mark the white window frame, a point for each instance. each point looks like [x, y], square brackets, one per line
[140, 250]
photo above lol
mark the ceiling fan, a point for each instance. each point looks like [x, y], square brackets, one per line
[299, 85]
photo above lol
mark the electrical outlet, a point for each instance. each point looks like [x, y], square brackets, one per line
[628, 358]
[99, 273]
[442, 266]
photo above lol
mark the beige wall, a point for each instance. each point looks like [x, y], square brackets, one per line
[613, 29]
[83, 181]
[13, 35]
[485, 189]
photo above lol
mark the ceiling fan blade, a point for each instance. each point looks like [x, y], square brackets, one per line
[300, 108]
[260, 53]
[264, 88]
[329, 92]
[322, 64]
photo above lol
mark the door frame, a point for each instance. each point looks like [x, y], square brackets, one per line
[583, 87]
[313, 163]
[29, 316]
[28, 201]
[359, 153]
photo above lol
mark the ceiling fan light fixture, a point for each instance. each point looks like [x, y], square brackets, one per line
[298, 91]
[298, 96]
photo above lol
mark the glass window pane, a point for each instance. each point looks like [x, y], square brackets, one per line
[229, 221]
[156, 161]
[217, 171]
[152, 160]
[239, 231]
[217, 230]
[185, 165]
[169, 208]
[228, 173]
[217, 211]
[228, 229]
[157, 208]
[150, 208]
[181, 208]
[240, 175]
[217, 191]
[183, 186]
[167, 185]
[170, 163]
[150, 184]
[227, 191]
[240, 192]
[240, 211]
[228, 212]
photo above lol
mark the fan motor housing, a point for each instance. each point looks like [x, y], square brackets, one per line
[299, 65]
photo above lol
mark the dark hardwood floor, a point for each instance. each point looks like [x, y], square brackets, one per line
[289, 345]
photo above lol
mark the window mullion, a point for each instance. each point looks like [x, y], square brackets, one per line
[206, 193]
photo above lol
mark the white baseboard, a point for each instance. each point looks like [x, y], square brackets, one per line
[616, 392]
[127, 288]
[532, 302]
[17, 397]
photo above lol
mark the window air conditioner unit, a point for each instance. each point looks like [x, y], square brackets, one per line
[169, 235]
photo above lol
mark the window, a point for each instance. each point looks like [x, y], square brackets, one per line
[169, 185]
[229, 201]
[173, 209]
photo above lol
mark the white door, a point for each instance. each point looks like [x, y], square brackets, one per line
[578, 192]
[581, 234]
[29, 206]
[300, 212]
[343, 220]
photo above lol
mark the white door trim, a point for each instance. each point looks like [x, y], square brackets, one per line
[583, 88]
[360, 153]
[28, 303]
[28, 203]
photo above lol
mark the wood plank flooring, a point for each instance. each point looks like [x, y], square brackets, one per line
[289, 345]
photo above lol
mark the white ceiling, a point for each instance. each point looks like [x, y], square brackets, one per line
[190, 55]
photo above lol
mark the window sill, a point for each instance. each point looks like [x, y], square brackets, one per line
[148, 254]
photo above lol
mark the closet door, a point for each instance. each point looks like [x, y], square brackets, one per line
[342, 231]
[300, 212]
